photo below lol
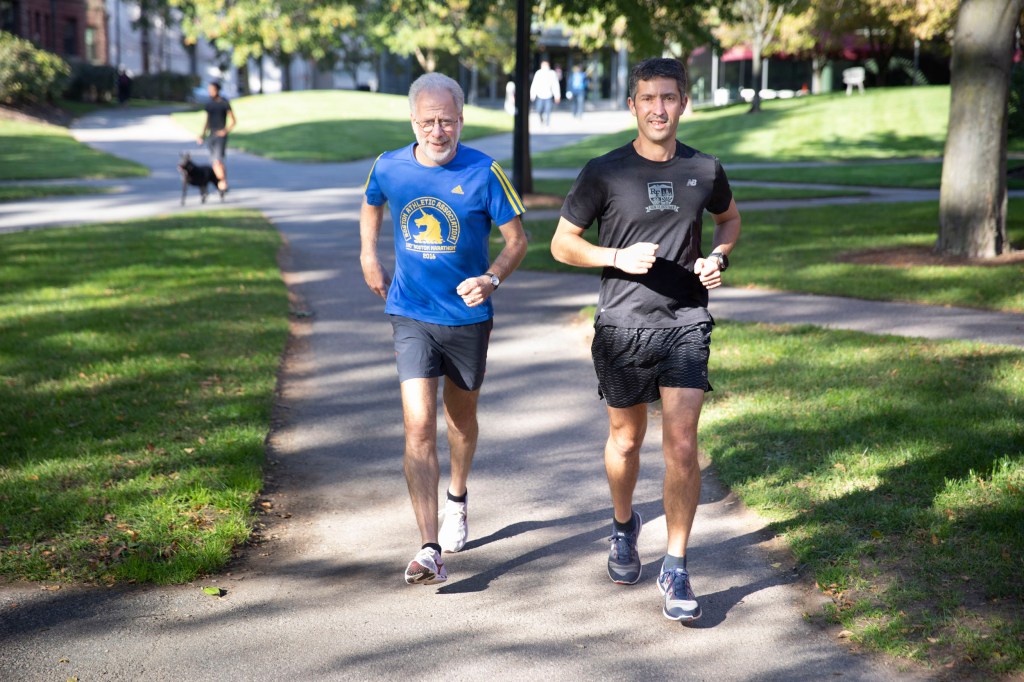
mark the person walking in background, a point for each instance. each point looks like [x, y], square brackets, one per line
[124, 86]
[546, 91]
[578, 90]
[652, 328]
[444, 197]
[220, 120]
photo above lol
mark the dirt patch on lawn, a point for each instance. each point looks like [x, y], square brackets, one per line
[37, 114]
[914, 256]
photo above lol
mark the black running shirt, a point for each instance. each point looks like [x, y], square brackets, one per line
[634, 199]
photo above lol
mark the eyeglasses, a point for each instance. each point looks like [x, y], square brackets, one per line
[445, 123]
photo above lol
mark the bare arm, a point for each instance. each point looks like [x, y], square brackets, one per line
[568, 246]
[727, 233]
[476, 290]
[206, 126]
[232, 122]
[377, 278]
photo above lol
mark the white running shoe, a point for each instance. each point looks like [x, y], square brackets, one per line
[455, 529]
[426, 568]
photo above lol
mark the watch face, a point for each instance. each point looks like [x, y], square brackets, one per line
[495, 281]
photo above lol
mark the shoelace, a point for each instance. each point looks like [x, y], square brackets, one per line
[679, 584]
[621, 546]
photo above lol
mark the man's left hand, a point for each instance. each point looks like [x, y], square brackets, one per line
[475, 290]
[707, 270]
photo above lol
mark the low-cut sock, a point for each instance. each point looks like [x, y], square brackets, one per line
[672, 562]
[458, 498]
[627, 527]
[432, 545]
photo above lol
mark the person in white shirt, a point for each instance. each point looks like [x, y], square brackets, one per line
[546, 91]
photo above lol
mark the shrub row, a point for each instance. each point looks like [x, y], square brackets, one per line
[29, 75]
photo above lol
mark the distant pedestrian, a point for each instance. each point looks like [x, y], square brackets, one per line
[443, 199]
[578, 83]
[652, 334]
[546, 91]
[510, 97]
[124, 86]
[220, 121]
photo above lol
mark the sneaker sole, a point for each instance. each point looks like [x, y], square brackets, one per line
[682, 619]
[424, 579]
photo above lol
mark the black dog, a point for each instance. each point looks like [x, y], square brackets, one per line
[194, 174]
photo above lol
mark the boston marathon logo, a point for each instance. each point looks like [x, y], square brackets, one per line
[661, 195]
[430, 226]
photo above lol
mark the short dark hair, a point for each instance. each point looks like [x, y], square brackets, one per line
[215, 85]
[658, 67]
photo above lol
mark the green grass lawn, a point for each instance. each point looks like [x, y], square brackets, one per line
[26, 192]
[883, 123]
[36, 151]
[894, 469]
[797, 250]
[915, 175]
[138, 364]
[332, 125]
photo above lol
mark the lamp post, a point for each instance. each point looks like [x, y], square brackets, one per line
[522, 175]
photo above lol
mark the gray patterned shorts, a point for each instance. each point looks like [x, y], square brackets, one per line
[633, 364]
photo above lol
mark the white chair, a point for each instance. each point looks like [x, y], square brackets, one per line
[854, 77]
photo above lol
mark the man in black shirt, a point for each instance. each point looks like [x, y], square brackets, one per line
[218, 114]
[652, 328]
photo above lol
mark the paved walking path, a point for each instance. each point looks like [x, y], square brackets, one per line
[323, 598]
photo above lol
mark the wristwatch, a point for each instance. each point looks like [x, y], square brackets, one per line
[723, 260]
[495, 281]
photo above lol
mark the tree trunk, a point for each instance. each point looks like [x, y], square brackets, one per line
[972, 201]
[755, 66]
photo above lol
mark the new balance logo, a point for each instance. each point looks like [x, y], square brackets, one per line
[458, 190]
[691, 182]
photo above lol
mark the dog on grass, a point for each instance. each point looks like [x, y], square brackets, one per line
[194, 174]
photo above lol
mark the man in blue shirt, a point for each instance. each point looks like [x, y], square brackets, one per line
[443, 199]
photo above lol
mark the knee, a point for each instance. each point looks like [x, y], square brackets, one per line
[625, 444]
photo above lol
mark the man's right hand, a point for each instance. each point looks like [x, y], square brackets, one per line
[636, 259]
[377, 278]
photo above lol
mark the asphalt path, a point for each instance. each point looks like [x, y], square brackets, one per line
[322, 597]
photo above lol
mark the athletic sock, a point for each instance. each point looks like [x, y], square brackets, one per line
[458, 498]
[627, 527]
[432, 545]
[673, 562]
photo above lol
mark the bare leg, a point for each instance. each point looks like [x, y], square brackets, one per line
[680, 414]
[419, 406]
[221, 172]
[627, 428]
[463, 429]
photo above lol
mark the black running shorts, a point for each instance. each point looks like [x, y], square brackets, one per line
[218, 147]
[425, 350]
[632, 364]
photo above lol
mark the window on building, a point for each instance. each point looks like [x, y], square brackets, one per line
[9, 13]
[71, 38]
[90, 44]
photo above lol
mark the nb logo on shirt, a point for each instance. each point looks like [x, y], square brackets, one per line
[692, 182]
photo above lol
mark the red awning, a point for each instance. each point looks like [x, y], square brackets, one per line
[737, 54]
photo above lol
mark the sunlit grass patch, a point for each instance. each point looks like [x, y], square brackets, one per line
[894, 468]
[137, 367]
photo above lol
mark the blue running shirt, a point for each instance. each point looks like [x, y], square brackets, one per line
[442, 218]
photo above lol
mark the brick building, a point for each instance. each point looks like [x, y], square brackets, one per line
[73, 29]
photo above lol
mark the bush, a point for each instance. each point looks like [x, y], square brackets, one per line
[175, 87]
[1015, 122]
[91, 82]
[29, 75]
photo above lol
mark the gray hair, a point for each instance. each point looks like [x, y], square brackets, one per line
[434, 82]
